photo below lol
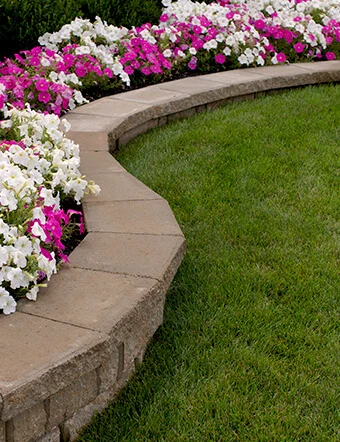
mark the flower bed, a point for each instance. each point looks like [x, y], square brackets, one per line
[39, 165]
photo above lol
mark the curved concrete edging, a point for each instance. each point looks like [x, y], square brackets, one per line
[70, 353]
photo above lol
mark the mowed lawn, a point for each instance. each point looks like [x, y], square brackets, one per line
[250, 346]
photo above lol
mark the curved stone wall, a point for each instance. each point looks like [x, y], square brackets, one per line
[67, 355]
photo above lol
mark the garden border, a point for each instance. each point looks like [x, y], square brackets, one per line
[70, 353]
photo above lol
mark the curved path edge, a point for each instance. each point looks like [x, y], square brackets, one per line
[66, 356]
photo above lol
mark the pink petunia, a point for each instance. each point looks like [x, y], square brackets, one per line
[81, 71]
[44, 97]
[42, 85]
[220, 58]
[129, 70]
[163, 18]
[330, 55]
[299, 47]
[281, 57]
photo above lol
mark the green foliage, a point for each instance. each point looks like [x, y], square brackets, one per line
[24, 21]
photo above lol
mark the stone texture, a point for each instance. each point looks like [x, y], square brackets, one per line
[137, 329]
[108, 374]
[90, 141]
[95, 300]
[2, 432]
[52, 355]
[72, 398]
[274, 77]
[151, 217]
[81, 122]
[72, 427]
[164, 102]
[28, 426]
[133, 133]
[52, 436]
[183, 114]
[98, 163]
[138, 255]
[236, 99]
[236, 77]
[120, 187]
[151, 95]
[111, 107]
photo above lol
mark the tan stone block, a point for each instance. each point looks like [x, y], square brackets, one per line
[236, 76]
[107, 375]
[52, 355]
[72, 428]
[200, 91]
[299, 74]
[92, 123]
[136, 331]
[164, 102]
[110, 106]
[137, 255]
[236, 99]
[120, 187]
[28, 426]
[72, 398]
[183, 114]
[98, 163]
[191, 86]
[146, 216]
[90, 141]
[151, 95]
[133, 133]
[52, 436]
[96, 300]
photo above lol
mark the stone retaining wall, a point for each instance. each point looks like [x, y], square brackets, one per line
[67, 355]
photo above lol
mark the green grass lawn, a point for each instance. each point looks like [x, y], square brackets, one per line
[250, 346]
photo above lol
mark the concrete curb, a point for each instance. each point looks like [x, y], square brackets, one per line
[70, 353]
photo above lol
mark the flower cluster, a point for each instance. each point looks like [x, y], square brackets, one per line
[224, 34]
[254, 32]
[38, 169]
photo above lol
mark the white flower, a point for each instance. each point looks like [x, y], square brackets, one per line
[24, 244]
[9, 305]
[38, 231]
[32, 294]
[3, 295]
[4, 255]
[16, 277]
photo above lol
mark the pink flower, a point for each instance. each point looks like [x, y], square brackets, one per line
[280, 57]
[330, 55]
[299, 47]
[192, 63]
[163, 18]
[108, 72]
[44, 97]
[129, 70]
[220, 58]
[145, 70]
[42, 85]
[81, 71]
[259, 24]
